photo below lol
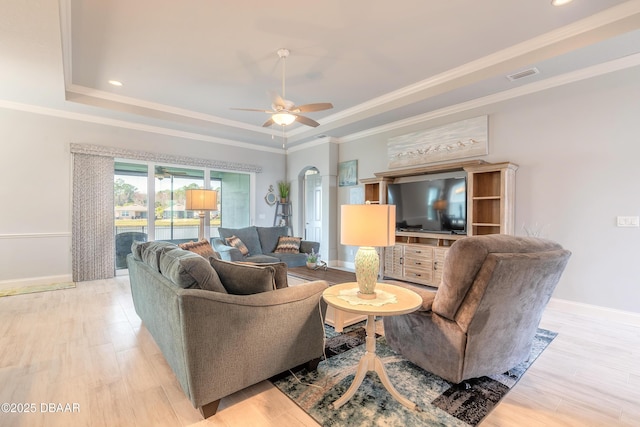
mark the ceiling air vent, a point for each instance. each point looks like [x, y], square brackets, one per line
[522, 74]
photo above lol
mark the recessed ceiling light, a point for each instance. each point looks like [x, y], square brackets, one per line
[115, 83]
[560, 2]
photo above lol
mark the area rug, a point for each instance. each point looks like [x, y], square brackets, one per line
[35, 288]
[441, 403]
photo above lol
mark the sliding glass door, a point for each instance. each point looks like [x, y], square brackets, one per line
[150, 198]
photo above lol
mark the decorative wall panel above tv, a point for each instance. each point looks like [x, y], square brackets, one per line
[466, 138]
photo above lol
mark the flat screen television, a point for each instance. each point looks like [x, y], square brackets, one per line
[434, 204]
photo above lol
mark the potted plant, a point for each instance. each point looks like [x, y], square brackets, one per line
[283, 189]
[312, 259]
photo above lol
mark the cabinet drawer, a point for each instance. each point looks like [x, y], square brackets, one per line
[420, 252]
[418, 275]
[418, 263]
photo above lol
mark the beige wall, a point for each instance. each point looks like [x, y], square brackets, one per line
[578, 148]
[35, 189]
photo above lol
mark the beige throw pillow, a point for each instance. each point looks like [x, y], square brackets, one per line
[238, 244]
[288, 245]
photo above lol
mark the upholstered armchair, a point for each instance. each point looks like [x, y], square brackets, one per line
[485, 314]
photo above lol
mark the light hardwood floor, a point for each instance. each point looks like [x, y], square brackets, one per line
[86, 346]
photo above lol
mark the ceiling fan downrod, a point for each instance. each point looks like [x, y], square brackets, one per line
[283, 54]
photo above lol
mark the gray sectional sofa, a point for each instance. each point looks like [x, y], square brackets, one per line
[216, 342]
[261, 242]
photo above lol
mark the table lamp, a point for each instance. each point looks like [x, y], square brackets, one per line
[203, 201]
[367, 226]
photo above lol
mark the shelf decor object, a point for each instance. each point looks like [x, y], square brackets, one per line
[202, 201]
[367, 226]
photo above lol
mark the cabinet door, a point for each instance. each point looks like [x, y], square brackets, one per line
[418, 263]
[438, 264]
[393, 261]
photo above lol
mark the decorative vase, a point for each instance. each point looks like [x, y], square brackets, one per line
[367, 264]
[311, 265]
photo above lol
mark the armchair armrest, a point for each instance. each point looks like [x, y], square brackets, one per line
[307, 245]
[227, 253]
[232, 341]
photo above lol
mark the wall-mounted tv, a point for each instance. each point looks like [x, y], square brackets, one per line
[430, 204]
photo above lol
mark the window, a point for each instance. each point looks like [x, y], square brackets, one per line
[139, 186]
[234, 199]
[130, 207]
[172, 221]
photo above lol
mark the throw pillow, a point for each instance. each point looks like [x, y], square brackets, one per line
[237, 243]
[202, 248]
[280, 268]
[288, 245]
[189, 270]
[244, 279]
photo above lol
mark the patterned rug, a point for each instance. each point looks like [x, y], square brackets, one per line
[441, 403]
[35, 288]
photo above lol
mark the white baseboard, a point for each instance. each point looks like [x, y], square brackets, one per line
[572, 307]
[342, 264]
[9, 284]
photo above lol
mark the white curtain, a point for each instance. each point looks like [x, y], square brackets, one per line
[93, 239]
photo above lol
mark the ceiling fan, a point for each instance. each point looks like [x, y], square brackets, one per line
[163, 172]
[284, 112]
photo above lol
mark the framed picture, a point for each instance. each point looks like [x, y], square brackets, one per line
[348, 173]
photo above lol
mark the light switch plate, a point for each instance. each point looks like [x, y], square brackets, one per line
[628, 221]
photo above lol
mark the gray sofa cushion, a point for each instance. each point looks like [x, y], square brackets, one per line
[244, 279]
[269, 237]
[189, 270]
[248, 235]
[151, 252]
[136, 249]
[292, 260]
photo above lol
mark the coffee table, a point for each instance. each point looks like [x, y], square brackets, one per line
[407, 301]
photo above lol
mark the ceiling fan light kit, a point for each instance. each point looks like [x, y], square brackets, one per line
[284, 112]
[283, 119]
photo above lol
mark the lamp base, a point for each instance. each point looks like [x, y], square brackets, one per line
[201, 228]
[367, 264]
[366, 296]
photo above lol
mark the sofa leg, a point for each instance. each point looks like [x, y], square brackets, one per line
[312, 364]
[209, 409]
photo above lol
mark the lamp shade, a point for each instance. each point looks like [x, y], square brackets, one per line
[368, 225]
[202, 200]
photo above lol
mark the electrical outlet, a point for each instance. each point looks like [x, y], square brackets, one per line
[628, 221]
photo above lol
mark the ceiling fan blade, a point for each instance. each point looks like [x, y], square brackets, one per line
[277, 99]
[254, 109]
[306, 121]
[268, 123]
[320, 106]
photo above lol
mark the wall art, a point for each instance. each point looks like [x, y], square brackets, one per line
[466, 138]
[348, 173]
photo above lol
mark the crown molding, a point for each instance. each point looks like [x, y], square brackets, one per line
[89, 118]
[535, 46]
[550, 83]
